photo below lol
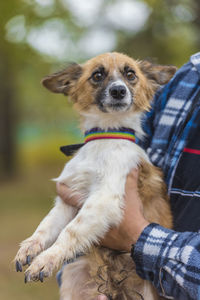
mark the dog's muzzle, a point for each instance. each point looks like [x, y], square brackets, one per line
[115, 97]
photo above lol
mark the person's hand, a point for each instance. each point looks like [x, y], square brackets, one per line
[133, 222]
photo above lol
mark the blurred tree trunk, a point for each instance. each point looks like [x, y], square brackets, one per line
[7, 118]
[197, 21]
[7, 96]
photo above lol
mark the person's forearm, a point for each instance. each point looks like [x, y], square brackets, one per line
[170, 260]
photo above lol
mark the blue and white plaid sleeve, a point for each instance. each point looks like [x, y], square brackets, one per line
[170, 260]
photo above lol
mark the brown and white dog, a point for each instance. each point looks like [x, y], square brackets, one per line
[110, 91]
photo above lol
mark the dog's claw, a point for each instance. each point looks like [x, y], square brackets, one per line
[28, 260]
[41, 276]
[27, 278]
[18, 266]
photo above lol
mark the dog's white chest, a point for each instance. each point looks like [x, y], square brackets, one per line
[99, 160]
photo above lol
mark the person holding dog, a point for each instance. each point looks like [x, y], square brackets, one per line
[170, 259]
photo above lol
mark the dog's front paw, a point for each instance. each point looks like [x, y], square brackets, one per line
[28, 250]
[44, 265]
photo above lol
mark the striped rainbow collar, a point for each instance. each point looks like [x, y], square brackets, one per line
[97, 134]
[111, 133]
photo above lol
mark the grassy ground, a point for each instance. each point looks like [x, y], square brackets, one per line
[23, 203]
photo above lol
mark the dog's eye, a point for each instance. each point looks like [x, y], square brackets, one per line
[97, 76]
[130, 74]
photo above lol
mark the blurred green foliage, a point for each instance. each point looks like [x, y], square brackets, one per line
[38, 37]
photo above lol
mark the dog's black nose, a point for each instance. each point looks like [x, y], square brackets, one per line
[118, 92]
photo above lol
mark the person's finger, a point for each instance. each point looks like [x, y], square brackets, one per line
[62, 190]
[134, 173]
[66, 195]
[132, 178]
[102, 297]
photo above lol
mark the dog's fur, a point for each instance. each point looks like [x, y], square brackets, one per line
[98, 173]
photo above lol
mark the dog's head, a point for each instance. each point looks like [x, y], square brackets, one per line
[111, 83]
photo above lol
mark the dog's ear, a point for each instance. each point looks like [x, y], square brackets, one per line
[62, 81]
[157, 74]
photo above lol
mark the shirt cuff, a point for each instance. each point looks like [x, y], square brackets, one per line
[147, 253]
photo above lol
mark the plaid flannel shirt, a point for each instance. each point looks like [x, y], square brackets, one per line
[168, 258]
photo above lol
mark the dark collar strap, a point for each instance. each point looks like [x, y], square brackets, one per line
[69, 150]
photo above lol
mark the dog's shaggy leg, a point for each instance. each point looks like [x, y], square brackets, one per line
[76, 282]
[103, 271]
[45, 234]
